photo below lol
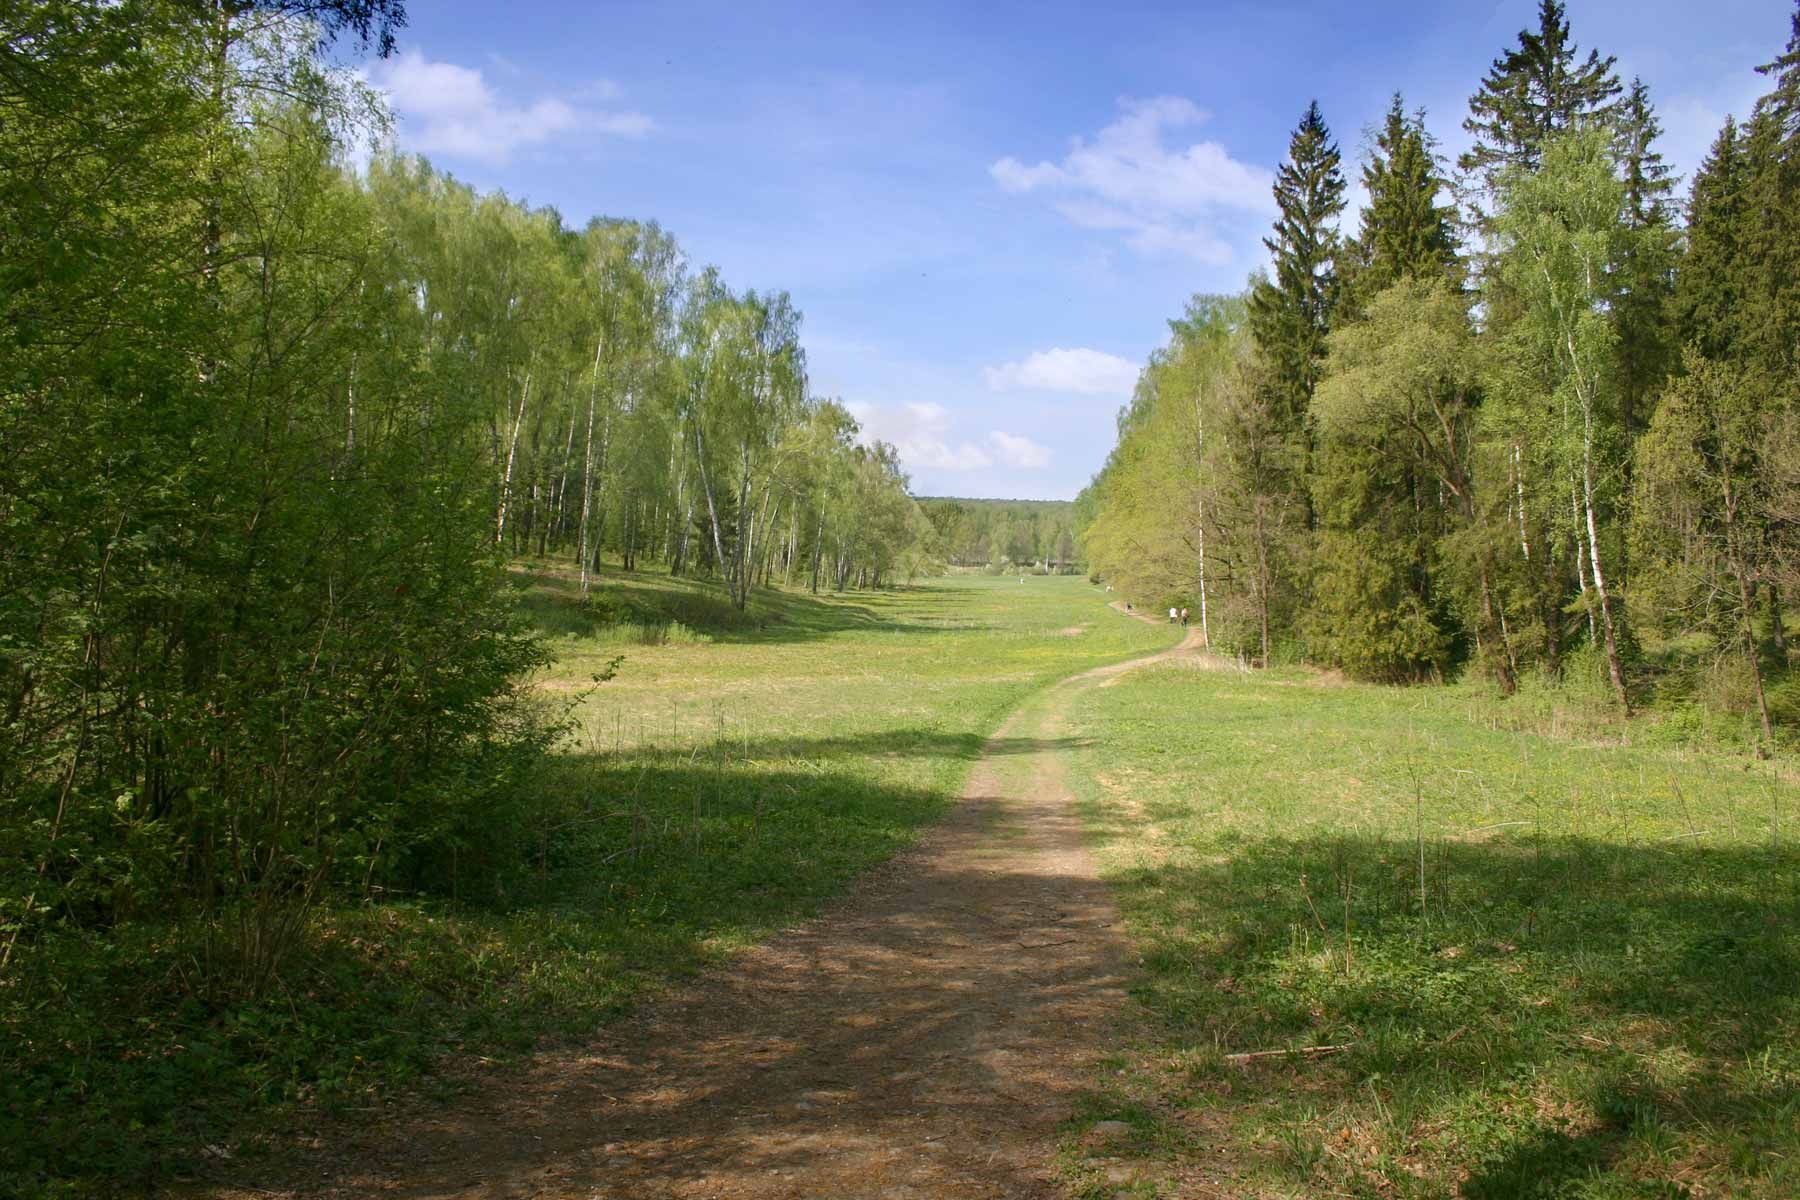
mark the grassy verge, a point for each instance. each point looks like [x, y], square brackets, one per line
[1538, 967]
[740, 769]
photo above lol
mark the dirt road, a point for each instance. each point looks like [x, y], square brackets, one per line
[926, 1038]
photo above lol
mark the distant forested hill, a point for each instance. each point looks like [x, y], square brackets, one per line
[1039, 534]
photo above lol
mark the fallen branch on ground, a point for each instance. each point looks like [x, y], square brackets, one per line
[1293, 1052]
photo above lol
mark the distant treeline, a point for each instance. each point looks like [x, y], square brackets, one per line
[1037, 534]
[269, 428]
[1533, 410]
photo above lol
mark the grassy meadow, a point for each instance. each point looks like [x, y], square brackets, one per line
[737, 770]
[1534, 966]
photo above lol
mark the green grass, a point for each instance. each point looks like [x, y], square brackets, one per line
[1561, 968]
[740, 769]
[1684, 695]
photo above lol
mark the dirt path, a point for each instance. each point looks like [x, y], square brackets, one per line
[1140, 614]
[926, 1038]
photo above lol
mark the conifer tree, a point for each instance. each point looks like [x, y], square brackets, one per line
[1783, 102]
[1647, 272]
[1375, 608]
[1539, 88]
[1291, 314]
[1405, 230]
[1708, 288]
[1771, 228]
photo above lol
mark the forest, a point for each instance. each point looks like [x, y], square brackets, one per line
[275, 425]
[1529, 414]
[1030, 534]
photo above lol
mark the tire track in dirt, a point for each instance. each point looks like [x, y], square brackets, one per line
[925, 1038]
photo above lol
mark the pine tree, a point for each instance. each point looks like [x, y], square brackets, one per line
[1405, 231]
[1647, 272]
[1291, 315]
[1783, 103]
[1708, 288]
[1533, 91]
[1771, 223]
[1374, 607]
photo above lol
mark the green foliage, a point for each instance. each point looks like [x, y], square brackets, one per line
[1390, 418]
[258, 639]
[1561, 239]
[1193, 507]
[1291, 314]
[1394, 426]
[1706, 531]
[1533, 92]
[1024, 534]
[1399, 481]
[271, 432]
[1709, 289]
[1647, 270]
[1405, 230]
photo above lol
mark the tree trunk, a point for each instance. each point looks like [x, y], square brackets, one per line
[512, 448]
[1200, 514]
[553, 526]
[1746, 609]
[1776, 631]
[712, 508]
[1519, 491]
[746, 530]
[1613, 665]
[681, 546]
[1262, 585]
[587, 472]
[1508, 670]
[350, 407]
[1580, 567]
[600, 490]
[793, 543]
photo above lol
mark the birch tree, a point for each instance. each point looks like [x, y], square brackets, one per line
[1561, 236]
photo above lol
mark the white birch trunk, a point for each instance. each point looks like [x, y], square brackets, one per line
[587, 471]
[512, 449]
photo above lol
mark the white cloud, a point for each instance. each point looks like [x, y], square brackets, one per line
[451, 109]
[920, 431]
[599, 89]
[1085, 372]
[1016, 451]
[1166, 200]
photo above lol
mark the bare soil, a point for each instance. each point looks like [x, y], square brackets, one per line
[928, 1037]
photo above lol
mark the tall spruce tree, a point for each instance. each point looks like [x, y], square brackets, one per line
[1647, 273]
[1291, 314]
[1375, 607]
[1709, 286]
[1783, 102]
[1771, 308]
[1539, 88]
[1405, 231]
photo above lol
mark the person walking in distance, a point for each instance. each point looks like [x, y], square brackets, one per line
[1184, 617]
[1171, 614]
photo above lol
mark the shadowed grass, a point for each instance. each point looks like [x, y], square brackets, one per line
[1545, 969]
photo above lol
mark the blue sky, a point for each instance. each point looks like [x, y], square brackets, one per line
[986, 211]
